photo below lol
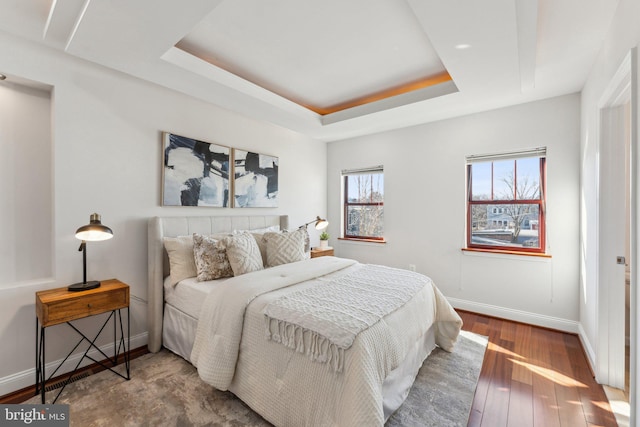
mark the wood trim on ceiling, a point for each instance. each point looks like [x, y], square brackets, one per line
[384, 94]
[428, 81]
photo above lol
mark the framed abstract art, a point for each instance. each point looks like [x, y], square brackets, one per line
[255, 180]
[195, 173]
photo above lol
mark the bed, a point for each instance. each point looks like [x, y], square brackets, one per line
[230, 330]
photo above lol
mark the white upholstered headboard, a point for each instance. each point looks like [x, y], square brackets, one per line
[174, 226]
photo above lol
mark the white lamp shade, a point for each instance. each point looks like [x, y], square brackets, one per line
[94, 231]
[321, 224]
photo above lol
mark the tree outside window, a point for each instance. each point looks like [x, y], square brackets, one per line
[506, 203]
[364, 205]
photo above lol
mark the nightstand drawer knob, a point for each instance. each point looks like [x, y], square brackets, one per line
[88, 305]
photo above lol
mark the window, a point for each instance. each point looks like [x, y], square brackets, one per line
[506, 201]
[363, 203]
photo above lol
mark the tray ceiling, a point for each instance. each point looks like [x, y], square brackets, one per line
[332, 69]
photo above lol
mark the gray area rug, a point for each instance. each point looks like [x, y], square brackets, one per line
[165, 390]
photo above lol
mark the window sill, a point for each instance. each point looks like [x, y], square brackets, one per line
[506, 252]
[347, 239]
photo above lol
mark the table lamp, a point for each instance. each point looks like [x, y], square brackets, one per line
[321, 224]
[92, 232]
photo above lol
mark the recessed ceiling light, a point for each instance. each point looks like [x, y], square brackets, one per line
[462, 46]
[2, 77]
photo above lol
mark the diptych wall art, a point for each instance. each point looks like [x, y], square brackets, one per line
[195, 173]
[255, 180]
[199, 173]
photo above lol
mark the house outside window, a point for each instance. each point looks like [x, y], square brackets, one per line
[506, 201]
[363, 204]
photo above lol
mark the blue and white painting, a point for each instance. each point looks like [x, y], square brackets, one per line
[255, 180]
[196, 173]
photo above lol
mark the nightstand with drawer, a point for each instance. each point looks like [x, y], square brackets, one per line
[56, 306]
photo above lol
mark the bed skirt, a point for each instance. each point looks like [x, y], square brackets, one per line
[178, 331]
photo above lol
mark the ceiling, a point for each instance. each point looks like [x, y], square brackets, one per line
[333, 69]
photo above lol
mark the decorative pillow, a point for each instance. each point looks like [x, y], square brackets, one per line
[243, 253]
[262, 245]
[283, 248]
[257, 234]
[210, 258]
[181, 262]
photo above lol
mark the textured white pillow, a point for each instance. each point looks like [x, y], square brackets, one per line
[181, 262]
[257, 234]
[283, 248]
[262, 245]
[210, 258]
[243, 253]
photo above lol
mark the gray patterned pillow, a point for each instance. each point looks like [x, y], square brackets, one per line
[210, 258]
[283, 248]
[243, 252]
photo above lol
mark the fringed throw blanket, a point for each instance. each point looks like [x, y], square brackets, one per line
[323, 321]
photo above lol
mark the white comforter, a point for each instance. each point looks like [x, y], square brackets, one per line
[231, 351]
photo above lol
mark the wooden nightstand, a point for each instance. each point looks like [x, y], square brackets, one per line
[56, 306]
[317, 252]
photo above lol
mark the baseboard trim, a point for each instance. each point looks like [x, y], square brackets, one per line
[24, 379]
[536, 319]
[588, 349]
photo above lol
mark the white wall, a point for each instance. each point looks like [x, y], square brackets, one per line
[107, 158]
[424, 168]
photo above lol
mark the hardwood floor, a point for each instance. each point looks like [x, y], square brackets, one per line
[531, 377]
[534, 377]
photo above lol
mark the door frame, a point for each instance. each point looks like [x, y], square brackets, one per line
[609, 354]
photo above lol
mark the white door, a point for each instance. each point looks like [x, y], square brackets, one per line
[619, 118]
[613, 191]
